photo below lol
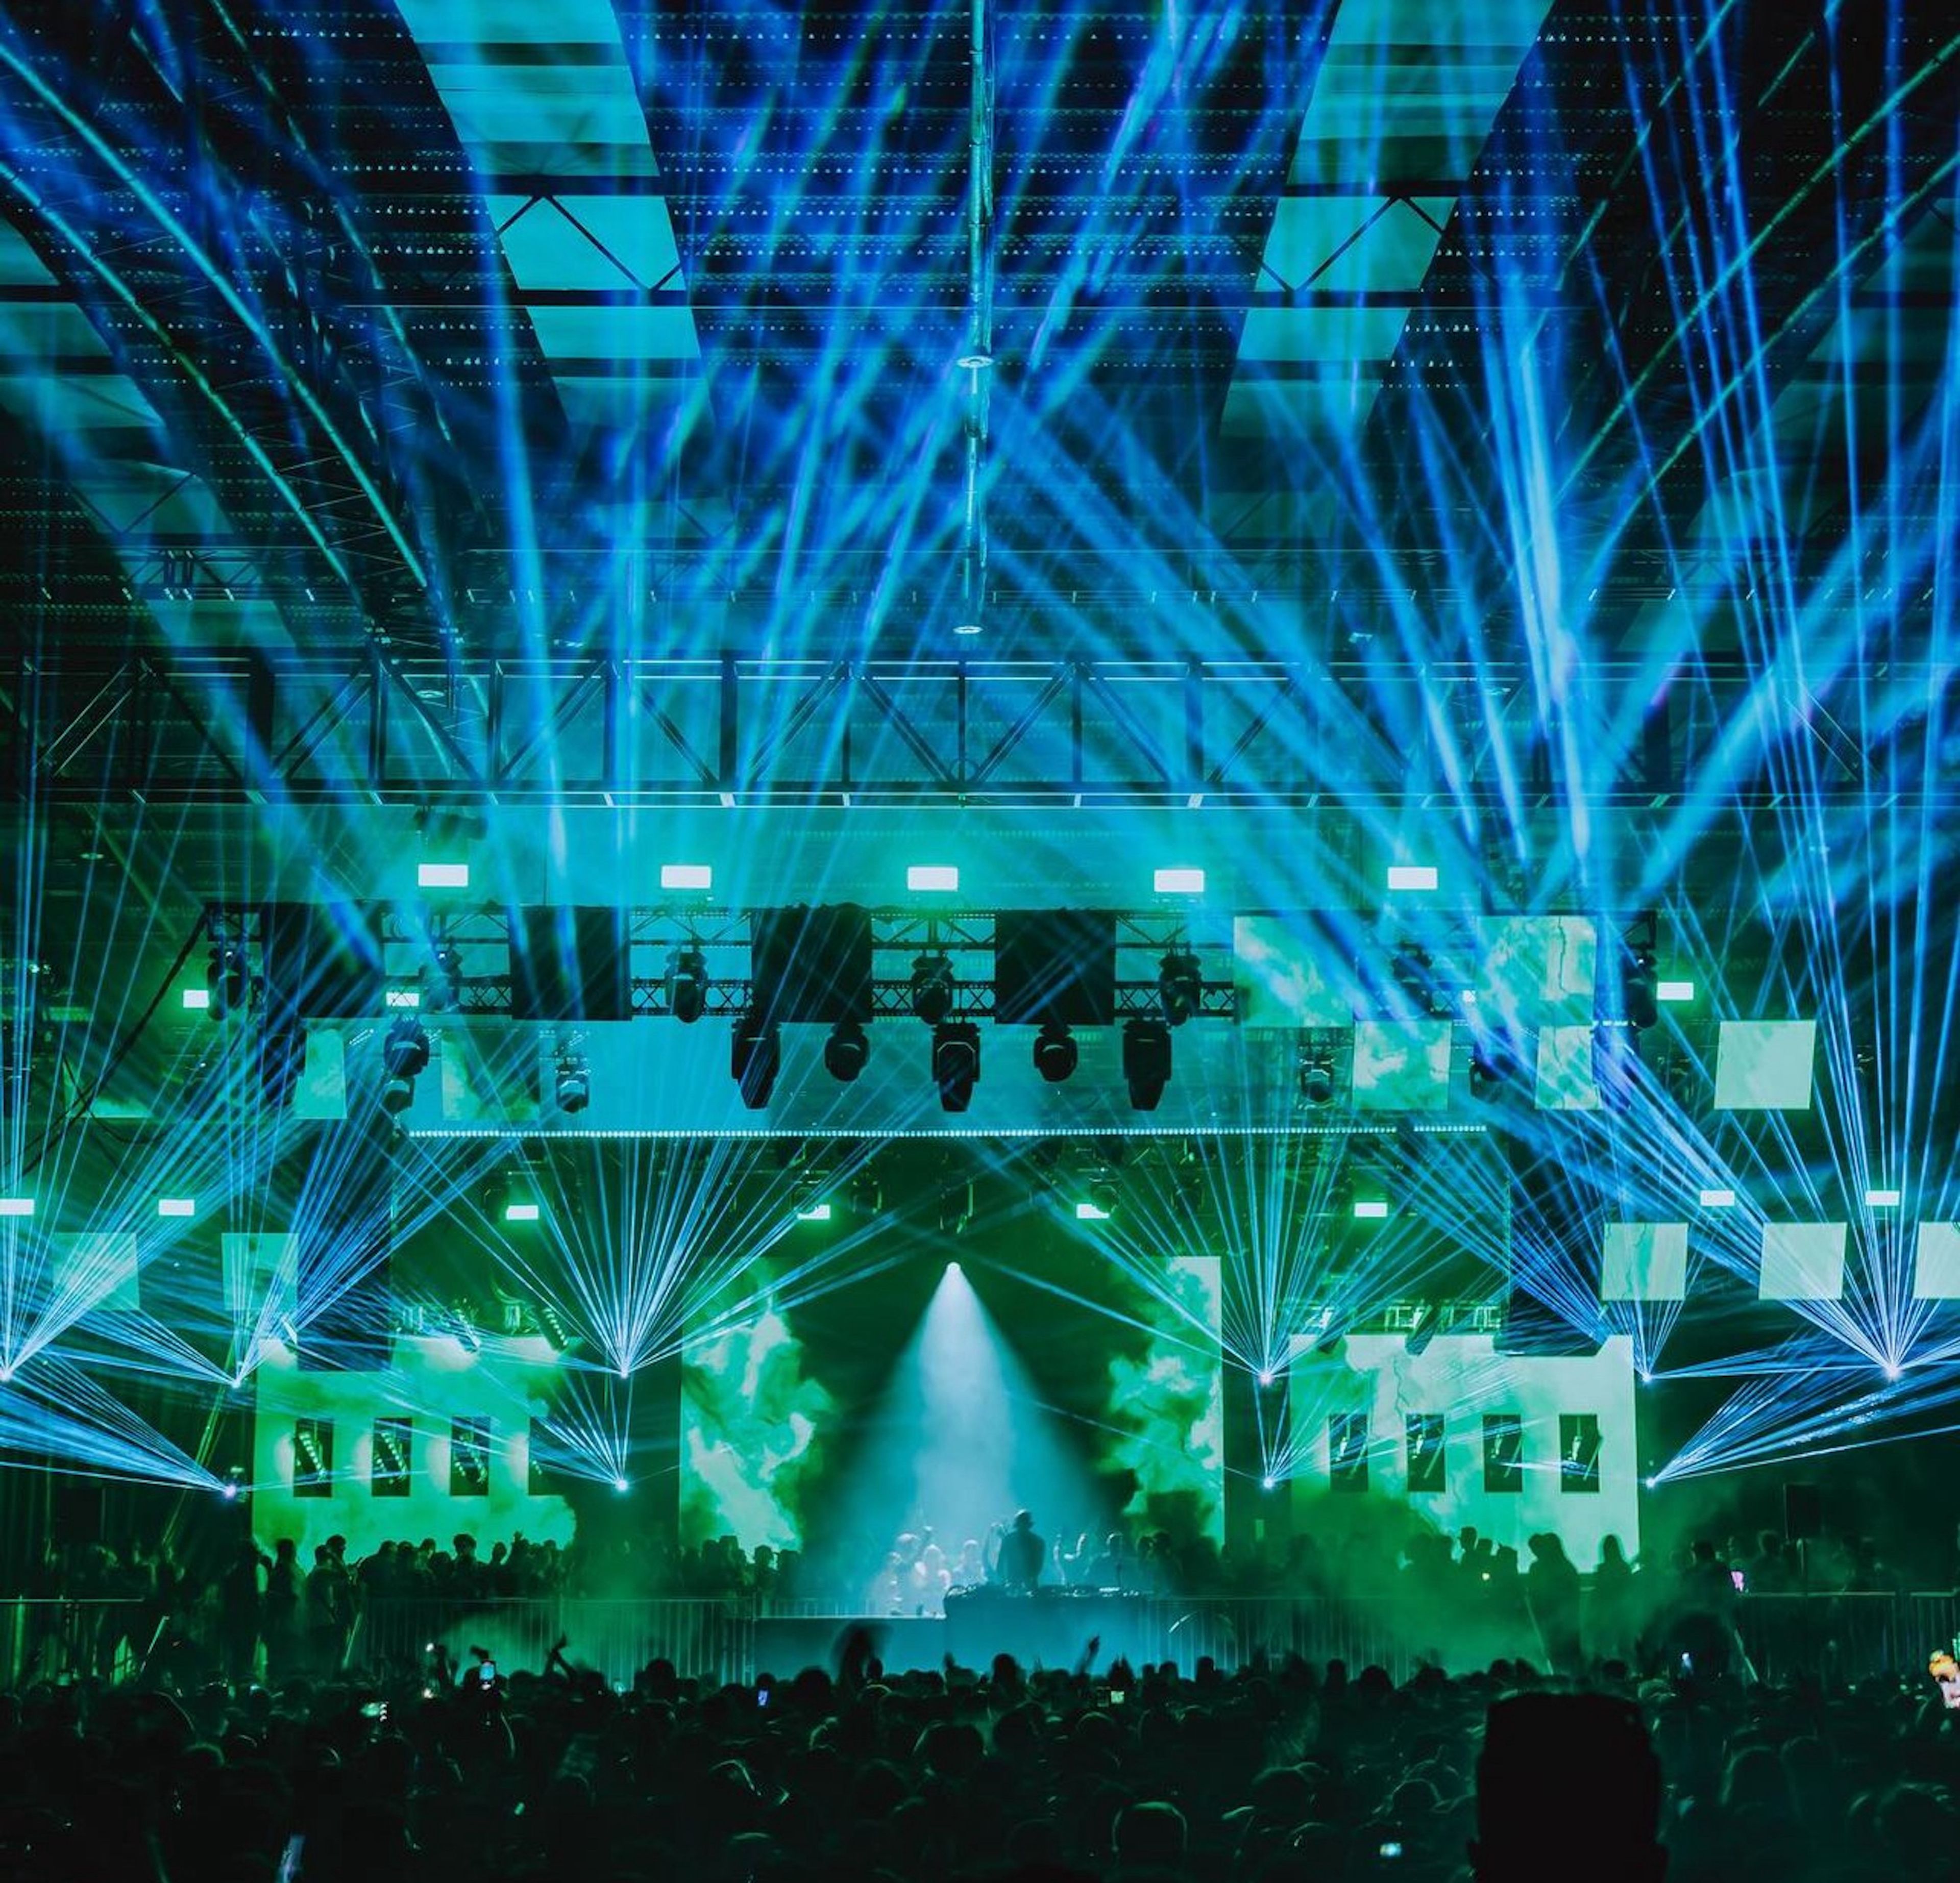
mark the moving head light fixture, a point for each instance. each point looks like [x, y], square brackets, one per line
[1318, 1077]
[1180, 984]
[405, 1056]
[955, 1062]
[442, 978]
[227, 975]
[1056, 1054]
[687, 983]
[933, 988]
[755, 1057]
[1146, 1062]
[1638, 990]
[573, 1088]
[847, 1051]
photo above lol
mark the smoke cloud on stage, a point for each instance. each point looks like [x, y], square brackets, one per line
[960, 1440]
[752, 1434]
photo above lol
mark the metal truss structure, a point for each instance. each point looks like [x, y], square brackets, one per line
[897, 937]
[231, 727]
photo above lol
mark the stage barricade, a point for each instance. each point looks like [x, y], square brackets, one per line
[47, 1640]
[704, 1639]
[1836, 1638]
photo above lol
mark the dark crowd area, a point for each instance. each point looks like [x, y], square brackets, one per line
[246, 1728]
[1284, 1771]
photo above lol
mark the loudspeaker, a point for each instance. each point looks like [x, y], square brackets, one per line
[570, 964]
[322, 961]
[1054, 965]
[811, 964]
[1803, 1513]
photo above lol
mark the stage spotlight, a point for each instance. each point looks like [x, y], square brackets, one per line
[405, 1055]
[846, 1051]
[1180, 985]
[754, 1056]
[955, 1062]
[442, 980]
[1268, 1483]
[574, 1084]
[1637, 999]
[1055, 1054]
[1146, 1062]
[687, 985]
[1316, 1078]
[952, 1268]
[620, 1484]
[1265, 1376]
[932, 988]
[228, 978]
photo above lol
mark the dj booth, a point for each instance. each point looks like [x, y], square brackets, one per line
[1052, 1627]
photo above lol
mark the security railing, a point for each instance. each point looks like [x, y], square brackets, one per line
[1835, 1638]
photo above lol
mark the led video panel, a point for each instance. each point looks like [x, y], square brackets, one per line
[1643, 1261]
[1286, 975]
[1802, 1262]
[1765, 1065]
[1402, 1065]
[1936, 1263]
[1538, 970]
[1565, 1081]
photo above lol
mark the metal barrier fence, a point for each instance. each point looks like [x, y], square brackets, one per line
[1839, 1638]
[47, 1639]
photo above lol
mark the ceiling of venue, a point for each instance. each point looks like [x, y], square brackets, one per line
[1503, 431]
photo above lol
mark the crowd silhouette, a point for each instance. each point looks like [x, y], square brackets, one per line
[1640, 1737]
[1281, 1772]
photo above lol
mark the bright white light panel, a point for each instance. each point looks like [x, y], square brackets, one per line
[1402, 1065]
[1802, 1262]
[1538, 970]
[322, 1091]
[1282, 977]
[1765, 1065]
[1936, 1266]
[1565, 1081]
[1643, 1261]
